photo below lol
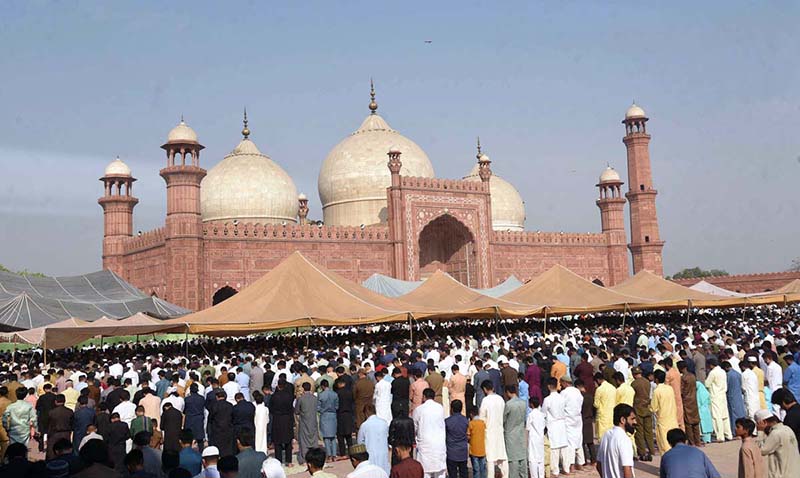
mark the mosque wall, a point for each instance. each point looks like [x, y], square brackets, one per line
[528, 254]
[144, 268]
[747, 283]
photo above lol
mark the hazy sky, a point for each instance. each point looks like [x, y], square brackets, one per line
[544, 84]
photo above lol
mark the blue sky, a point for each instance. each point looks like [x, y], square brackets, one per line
[545, 85]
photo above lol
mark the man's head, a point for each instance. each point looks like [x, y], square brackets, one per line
[228, 466]
[765, 419]
[552, 384]
[22, 392]
[676, 436]
[487, 387]
[455, 407]
[783, 397]
[315, 459]
[659, 376]
[134, 461]
[358, 453]
[619, 379]
[625, 417]
[62, 447]
[428, 394]
[245, 439]
[186, 437]
[534, 401]
[210, 456]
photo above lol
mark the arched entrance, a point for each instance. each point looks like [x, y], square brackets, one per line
[446, 244]
[223, 294]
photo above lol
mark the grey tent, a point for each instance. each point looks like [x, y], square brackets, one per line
[27, 301]
[389, 286]
[502, 288]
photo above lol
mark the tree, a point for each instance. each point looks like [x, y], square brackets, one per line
[795, 267]
[696, 272]
[24, 272]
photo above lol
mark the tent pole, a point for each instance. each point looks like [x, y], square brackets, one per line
[44, 349]
[411, 328]
[624, 312]
[186, 342]
[545, 322]
[101, 343]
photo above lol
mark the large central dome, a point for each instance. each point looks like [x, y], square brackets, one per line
[249, 187]
[508, 209]
[354, 177]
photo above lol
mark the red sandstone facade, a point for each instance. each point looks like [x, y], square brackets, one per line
[747, 283]
[432, 224]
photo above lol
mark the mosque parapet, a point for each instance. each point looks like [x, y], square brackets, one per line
[445, 184]
[294, 232]
[554, 238]
[147, 240]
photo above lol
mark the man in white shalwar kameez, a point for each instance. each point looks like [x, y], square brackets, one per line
[573, 405]
[555, 417]
[535, 425]
[431, 440]
[383, 397]
[491, 412]
[752, 403]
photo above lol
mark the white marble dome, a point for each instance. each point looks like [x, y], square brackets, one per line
[635, 111]
[182, 134]
[609, 175]
[248, 186]
[508, 209]
[354, 176]
[117, 168]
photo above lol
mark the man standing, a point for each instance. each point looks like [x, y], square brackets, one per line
[45, 403]
[536, 425]
[457, 387]
[406, 467]
[673, 380]
[400, 390]
[83, 417]
[691, 414]
[327, 403]
[665, 410]
[431, 437]
[750, 386]
[699, 358]
[717, 384]
[778, 445]
[307, 429]
[243, 414]
[416, 389]
[220, 419]
[491, 412]
[734, 395]
[60, 424]
[553, 407]
[514, 431]
[791, 376]
[436, 382]
[456, 426]
[605, 396]
[171, 426]
[250, 461]
[774, 373]
[682, 460]
[383, 397]
[374, 433]
[615, 453]
[18, 419]
[644, 416]
[194, 411]
[573, 406]
[363, 392]
[477, 382]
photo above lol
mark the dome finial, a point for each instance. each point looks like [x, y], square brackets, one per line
[373, 106]
[245, 130]
[479, 148]
[182, 122]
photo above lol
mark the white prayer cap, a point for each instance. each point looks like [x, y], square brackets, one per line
[272, 468]
[752, 358]
[763, 415]
[210, 451]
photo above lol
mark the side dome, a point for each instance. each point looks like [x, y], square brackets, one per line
[117, 168]
[182, 133]
[354, 176]
[610, 175]
[508, 208]
[635, 111]
[248, 186]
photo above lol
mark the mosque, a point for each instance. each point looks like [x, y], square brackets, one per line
[384, 211]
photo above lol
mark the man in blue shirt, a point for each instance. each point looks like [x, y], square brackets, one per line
[683, 461]
[791, 376]
[455, 427]
[188, 457]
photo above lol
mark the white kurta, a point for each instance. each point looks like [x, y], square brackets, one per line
[491, 412]
[535, 425]
[261, 422]
[431, 445]
[752, 402]
[555, 417]
[573, 404]
[383, 400]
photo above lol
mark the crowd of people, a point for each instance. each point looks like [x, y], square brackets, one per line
[515, 397]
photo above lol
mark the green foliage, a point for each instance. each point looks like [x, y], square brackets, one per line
[24, 272]
[696, 272]
[795, 267]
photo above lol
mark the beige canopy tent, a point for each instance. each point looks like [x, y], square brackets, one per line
[71, 332]
[564, 292]
[791, 288]
[665, 294]
[442, 296]
[296, 293]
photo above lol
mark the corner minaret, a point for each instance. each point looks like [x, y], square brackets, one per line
[612, 219]
[117, 203]
[645, 245]
[184, 225]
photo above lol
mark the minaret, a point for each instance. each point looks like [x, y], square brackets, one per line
[645, 245]
[612, 220]
[117, 203]
[395, 198]
[184, 226]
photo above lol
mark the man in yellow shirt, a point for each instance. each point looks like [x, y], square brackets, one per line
[625, 391]
[665, 409]
[71, 395]
[605, 398]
